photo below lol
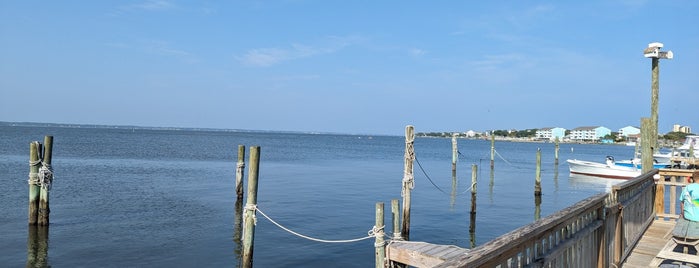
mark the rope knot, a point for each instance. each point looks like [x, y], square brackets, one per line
[240, 165]
[375, 231]
[45, 176]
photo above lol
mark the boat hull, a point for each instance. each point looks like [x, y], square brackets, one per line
[602, 170]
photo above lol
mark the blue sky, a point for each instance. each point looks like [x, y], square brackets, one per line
[347, 66]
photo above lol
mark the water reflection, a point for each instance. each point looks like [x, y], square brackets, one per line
[584, 181]
[38, 246]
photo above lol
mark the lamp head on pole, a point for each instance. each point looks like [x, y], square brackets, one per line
[653, 51]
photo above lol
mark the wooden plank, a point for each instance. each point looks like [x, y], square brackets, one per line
[422, 254]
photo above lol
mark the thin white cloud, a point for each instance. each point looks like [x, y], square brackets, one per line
[417, 52]
[154, 5]
[263, 57]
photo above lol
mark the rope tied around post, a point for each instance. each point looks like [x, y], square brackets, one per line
[253, 208]
[34, 176]
[43, 178]
[377, 232]
[240, 165]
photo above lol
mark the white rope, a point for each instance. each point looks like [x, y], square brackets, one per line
[45, 176]
[503, 159]
[372, 233]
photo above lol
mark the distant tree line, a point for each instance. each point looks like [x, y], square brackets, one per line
[531, 133]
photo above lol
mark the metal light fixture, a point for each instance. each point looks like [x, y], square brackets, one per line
[653, 51]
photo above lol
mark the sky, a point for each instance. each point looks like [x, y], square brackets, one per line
[369, 67]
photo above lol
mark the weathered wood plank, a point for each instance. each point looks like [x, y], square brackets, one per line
[422, 254]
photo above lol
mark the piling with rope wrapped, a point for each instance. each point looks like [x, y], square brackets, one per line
[379, 243]
[34, 189]
[46, 179]
[240, 167]
[250, 208]
[408, 180]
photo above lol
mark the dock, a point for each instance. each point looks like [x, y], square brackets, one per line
[631, 226]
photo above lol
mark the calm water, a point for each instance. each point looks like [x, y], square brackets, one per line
[166, 198]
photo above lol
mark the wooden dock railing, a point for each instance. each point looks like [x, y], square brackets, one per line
[599, 231]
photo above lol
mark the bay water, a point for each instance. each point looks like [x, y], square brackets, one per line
[136, 197]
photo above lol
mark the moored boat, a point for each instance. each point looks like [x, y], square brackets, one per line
[604, 170]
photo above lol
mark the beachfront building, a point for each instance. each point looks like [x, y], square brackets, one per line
[550, 133]
[589, 134]
[628, 131]
[683, 129]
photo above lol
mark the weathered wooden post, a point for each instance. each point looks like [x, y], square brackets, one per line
[395, 213]
[454, 156]
[46, 175]
[474, 183]
[240, 167]
[537, 186]
[250, 208]
[492, 150]
[653, 52]
[408, 180]
[472, 223]
[537, 207]
[34, 189]
[646, 144]
[379, 233]
[238, 229]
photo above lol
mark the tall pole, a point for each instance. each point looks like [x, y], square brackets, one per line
[653, 52]
[655, 89]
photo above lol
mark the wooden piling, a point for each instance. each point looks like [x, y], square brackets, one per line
[379, 243]
[492, 150]
[454, 155]
[240, 167]
[537, 207]
[537, 186]
[395, 213]
[44, 209]
[250, 208]
[408, 180]
[646, 144]
[238, 230]
[655, 92]
[34, 189]
[472, 223]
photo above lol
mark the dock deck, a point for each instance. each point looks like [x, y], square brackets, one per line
[632, 226]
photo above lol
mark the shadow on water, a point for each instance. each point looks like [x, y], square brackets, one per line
[38, 246]
[238, 231]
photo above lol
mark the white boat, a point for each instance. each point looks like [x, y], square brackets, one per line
[636, 162]
[691, 143]
[604, 170]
